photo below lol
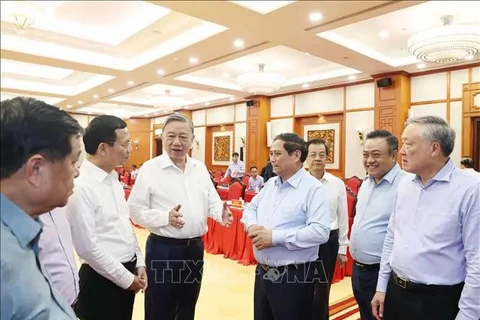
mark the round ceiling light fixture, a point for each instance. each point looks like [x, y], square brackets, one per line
[446, 44]
[260, 82]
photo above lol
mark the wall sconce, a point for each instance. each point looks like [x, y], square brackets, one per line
[362, 133]
[197, 143]
[222, 128]
[135, 144]
[360, 137]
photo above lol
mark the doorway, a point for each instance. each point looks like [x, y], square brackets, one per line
[159, 147]
[476, 143]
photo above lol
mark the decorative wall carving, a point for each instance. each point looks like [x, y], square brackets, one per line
[222, 147]
[387, 118]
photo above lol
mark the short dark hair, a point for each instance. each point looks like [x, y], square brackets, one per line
[293, 142]
[102, 130]
[392, 141]
[467, 162]
[253, 167]
[29, 127]
[235, 154]
[318, 141]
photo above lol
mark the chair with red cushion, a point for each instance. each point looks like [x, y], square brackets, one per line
[217, 176]
[354, 184]
[246, 179]
[126, 178]
[236, 190]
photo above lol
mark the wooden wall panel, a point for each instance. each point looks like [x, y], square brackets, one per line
[257, 118]
[139, 130]
[392, 103]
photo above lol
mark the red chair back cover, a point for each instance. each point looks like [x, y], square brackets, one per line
[236, 190]
[217, 175]
[246, 179]
[126, 178]
[354, 184]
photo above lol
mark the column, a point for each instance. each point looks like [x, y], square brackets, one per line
[256, 141]
[392, 103]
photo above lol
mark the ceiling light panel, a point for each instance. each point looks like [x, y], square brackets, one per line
[263, 7]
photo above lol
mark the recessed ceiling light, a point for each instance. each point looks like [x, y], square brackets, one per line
[226, 74]
[305, 85]
[421, 66]
[232, 98]
[186, 107]
[352, 77]
[80, 102]
[95, 96]
[384, 34]
[307, 53]
[69, 106]
[207, 103]
[111, 90]
[130, 83]
[470, 57]
[175, 59]
[193, 60]
[239, 43]
[161, 72]
[315, 16]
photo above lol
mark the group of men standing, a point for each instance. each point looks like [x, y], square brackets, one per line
[415, 237]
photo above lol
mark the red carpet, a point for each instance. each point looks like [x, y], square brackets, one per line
[345, 309]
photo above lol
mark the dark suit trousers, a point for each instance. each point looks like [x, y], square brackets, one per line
[175, 269]
[284, 294]
[101, 299]
[364, 285]
[422, 303]
[327, 260]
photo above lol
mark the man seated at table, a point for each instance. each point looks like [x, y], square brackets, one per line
[236, 169]
[255, 182]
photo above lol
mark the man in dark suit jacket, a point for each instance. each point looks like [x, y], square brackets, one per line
[267, 172]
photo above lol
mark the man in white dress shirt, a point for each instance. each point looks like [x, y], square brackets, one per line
[113, 270]
[336, 248]
[172, 197]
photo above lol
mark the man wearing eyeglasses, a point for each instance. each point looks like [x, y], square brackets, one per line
[113, 268]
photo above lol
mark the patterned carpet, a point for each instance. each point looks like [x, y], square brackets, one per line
[345, 309]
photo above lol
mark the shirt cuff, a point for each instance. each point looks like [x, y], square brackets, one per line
[382, 283]
[279, 237]
[126, 280]
[342, 249]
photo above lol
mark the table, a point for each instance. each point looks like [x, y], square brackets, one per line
[232, 242]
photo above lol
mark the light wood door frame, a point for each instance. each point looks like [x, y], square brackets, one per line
[470, 112]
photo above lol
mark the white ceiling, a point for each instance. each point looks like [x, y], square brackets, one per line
[385, 37]
[121, 56]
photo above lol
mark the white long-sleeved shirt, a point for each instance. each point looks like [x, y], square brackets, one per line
[161, 186]
[102, 233]
[337, 195]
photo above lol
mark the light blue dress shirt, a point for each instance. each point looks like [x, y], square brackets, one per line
[298, 213]
[237, 167]
[27, 292]
[433, 235]
[374, 206]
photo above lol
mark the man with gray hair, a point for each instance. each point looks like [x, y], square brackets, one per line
[430, 267]
[172, 197]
